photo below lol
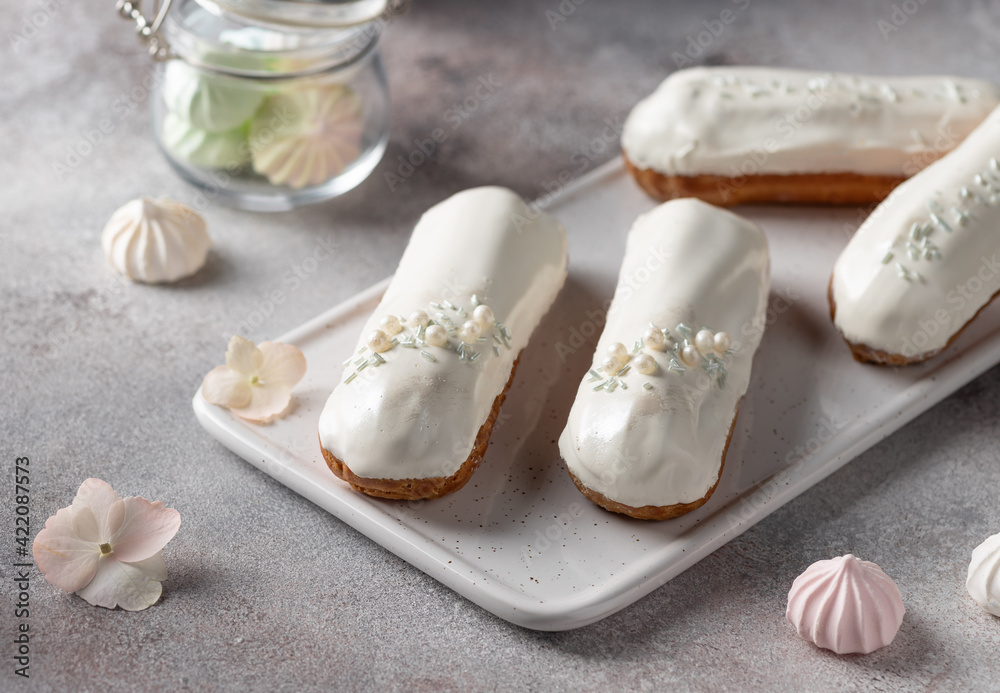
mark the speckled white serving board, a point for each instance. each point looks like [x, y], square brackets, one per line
[519, 540]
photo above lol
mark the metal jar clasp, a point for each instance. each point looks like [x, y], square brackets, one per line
[149, 32]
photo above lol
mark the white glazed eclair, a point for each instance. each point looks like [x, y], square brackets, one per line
[648, 432]
[730, 135]
[413, 414]
[927, 260]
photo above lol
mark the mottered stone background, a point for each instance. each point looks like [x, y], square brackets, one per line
[267, 591]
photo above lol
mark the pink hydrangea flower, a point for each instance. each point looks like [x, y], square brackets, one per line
[106, 548]
[256, 382]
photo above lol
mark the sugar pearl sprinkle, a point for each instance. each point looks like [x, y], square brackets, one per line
[444, 328]
[390, 325]
[483, 315]
[653, 338]
[470, 331]
[721, 342]
[378, 341]
[418, 318]
[435, 335]
[644, 363]
[942, 217]
[705, 341]
[682, 349]
[618, 353]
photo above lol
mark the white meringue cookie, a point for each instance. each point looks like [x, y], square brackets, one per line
[203, 147]
[846, 605]
[155, 241]
[307, 137]
[984, 575]
[208, 102]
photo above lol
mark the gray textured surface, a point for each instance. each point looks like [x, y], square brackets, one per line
[268, 592]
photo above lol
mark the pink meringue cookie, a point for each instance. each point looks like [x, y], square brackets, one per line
[846, 605]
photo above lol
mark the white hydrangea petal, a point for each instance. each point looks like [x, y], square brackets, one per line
[132, 586]
[86, 526]
[268, 401]
[66, 560]
[240, 356]
[226, 388]
[99, 498]
[281, 364]
[145, 529]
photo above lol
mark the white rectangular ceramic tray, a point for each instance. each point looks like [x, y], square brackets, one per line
[519, 540]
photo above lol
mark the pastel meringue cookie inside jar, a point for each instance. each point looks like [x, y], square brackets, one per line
[269, 116]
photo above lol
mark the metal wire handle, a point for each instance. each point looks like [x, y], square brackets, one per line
[148, 32]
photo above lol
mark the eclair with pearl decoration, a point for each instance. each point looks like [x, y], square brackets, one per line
[413, 413]
[732, 135]
[927, 260]
[648, 432]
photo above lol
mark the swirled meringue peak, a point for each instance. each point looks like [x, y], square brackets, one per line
[155, 241]
[846, 605]
[307, 137]
[984, 575]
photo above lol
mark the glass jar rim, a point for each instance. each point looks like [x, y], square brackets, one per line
[204, 34]
[306, 13]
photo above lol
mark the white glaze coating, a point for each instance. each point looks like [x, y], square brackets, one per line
[910, 305]
[661, 444]
[412, 417]
[155, 241]
[983, 582]
[735, 121]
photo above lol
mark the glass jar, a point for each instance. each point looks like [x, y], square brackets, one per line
[265, 104]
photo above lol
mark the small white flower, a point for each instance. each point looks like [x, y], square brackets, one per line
[256, 382]
[107, 549]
